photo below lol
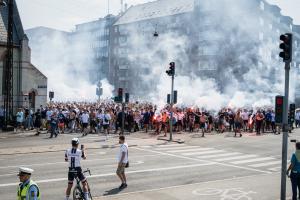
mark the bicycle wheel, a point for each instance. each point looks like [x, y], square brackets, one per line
[78, 194]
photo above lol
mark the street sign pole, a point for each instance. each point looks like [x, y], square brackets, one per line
[285, 129]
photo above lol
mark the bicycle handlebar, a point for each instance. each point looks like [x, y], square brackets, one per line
[87, 170]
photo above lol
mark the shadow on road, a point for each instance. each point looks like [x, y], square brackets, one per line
[112, 192]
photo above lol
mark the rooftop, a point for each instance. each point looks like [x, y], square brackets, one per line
[155, 9]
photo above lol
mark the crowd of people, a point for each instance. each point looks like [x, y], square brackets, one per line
[109, 117]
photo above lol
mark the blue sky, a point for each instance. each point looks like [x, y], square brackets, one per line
[64, 14]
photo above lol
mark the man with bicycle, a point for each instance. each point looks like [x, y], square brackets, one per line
[73, 156]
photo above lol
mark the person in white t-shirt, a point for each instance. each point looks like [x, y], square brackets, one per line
[106, 122]
[85, 122]
[122, 162]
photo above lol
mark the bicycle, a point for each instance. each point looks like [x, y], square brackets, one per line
[78, 193]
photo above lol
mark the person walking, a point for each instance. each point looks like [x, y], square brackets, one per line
[293, 171]
[27, 189]
[122, 162]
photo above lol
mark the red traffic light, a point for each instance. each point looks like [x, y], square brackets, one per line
[279, 101]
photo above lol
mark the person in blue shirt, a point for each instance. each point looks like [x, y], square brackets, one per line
[293, 171]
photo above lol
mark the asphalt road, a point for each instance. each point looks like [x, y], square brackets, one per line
[216, 167]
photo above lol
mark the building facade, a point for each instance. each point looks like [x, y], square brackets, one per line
[97, 35]
[214, 34]
[29, 84]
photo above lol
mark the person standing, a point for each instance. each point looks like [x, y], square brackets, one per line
[122, 162]
[28, 189]
[85, 122]
[1, 116]
[259, 117]
[297, 118]
[106, 122]
[20, 120]
[293, 171]
[73, 156]
[38, 121]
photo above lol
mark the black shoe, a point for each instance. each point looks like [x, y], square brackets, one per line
[125, 185]
[121, 186]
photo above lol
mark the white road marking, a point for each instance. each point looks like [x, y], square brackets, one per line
[177, 148]
[219, 155]
[203, 152]
[266, 164]
[236, 157]
[252, 160]
[56, 163]
[187, 150]
[197, 159]
[113, 174]
[275, 169]
[170, 145]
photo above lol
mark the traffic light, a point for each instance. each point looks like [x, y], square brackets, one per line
[287, 47]
[279, 109]
[168, 98]
[120, 93]
[51, 95]
[175, 97]
[126, 97]
[171, 71]
[292, 112]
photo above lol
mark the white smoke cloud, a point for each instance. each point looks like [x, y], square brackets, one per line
[251, 78]
[68, 65]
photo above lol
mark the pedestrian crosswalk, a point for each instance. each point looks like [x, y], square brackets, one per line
[268, 163]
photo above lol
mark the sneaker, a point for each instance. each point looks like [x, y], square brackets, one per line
[121, 186]
[125, 185]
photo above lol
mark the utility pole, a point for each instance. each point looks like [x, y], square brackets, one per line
[8, 70]
[286, 46]
[171, 109]
[123, 118]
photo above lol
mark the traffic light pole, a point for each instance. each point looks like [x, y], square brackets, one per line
[285, 129]
[171, 109]
[123, 118]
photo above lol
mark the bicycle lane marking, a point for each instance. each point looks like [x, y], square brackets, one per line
[197, 159]
[228, 193]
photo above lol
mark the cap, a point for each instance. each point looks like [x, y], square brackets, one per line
[25, 170]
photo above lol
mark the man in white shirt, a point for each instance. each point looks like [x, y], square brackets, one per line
[73, 156]
[245, 117]
[85, 122]
[122, 162]
[106, 122]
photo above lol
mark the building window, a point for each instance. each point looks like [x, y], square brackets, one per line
[262, 5]
[261, 36]
[270, 26]
[261, 21]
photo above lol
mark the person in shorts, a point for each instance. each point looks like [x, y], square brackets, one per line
[122, 162]
[74, 156]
